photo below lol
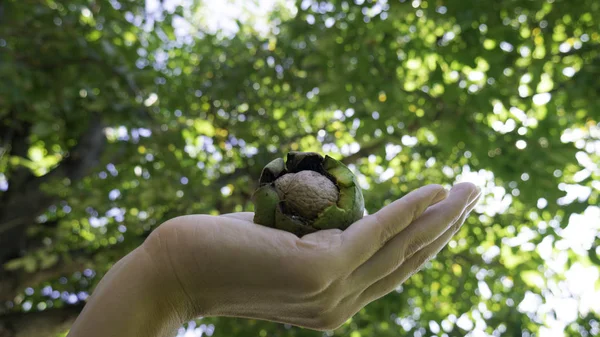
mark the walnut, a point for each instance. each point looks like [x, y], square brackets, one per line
[306, 193]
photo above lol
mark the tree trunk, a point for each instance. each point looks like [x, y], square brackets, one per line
[24, 201]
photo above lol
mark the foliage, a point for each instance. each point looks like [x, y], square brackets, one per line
[111, 123]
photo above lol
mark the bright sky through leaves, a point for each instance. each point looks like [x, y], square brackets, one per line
[407, 92]
[221, 16]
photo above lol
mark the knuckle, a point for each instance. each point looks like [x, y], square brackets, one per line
[322, 275]
[155, 242]
[312, 279]
[317, 273]
[315, 285]
[413, 246]
[414, 213]
[386, 232]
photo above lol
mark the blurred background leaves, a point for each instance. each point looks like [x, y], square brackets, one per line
[118, 115]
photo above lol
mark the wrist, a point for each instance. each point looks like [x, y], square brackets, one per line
[128, 301]
[171, 275]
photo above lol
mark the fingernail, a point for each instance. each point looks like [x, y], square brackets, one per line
[441, 195]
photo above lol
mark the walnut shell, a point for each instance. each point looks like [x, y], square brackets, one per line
[307, 193]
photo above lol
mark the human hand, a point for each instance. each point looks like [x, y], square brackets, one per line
[228, 266]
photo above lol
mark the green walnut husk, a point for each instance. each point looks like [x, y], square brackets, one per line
[307, 193]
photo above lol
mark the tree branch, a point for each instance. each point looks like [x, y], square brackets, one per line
[47, 323]
[13, 282]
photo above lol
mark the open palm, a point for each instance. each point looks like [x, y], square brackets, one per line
[229, 266]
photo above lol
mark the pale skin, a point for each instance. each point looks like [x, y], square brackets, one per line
[201, 265]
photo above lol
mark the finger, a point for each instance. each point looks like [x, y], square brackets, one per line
[245, 216]
[414, 263]
[434, 222]
[366, 236]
